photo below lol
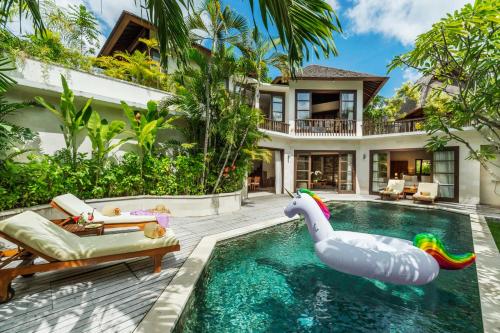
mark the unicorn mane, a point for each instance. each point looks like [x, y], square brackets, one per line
[318, 200]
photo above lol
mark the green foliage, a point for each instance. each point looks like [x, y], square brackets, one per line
[84, 27]
[101, 133]
[11, 134]
[145, 125]
[46, 47]
[233, 133]
[72, 120]
[138, 67]
[301, 25]
[376, 110]
[460, 55]
[42, 177]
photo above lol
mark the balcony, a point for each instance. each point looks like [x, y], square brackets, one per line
[275, 126]
[393, 127]
[325, 127]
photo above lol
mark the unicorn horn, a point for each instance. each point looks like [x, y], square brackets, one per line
[290, 194]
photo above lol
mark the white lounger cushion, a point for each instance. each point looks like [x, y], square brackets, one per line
[395, 186]
[48, 238]
[432, 188]
[76, 207]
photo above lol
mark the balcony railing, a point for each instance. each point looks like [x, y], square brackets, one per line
[325, 127]
[390, 127]
[275, 126]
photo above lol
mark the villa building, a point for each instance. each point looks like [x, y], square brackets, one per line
[317, 136]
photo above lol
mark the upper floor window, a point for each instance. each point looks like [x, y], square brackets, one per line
[272, 105]
[348, 106]
[303, 105]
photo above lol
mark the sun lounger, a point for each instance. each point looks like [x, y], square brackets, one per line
[39, 237]
[73, 206]
[394, 189]
[426, 192]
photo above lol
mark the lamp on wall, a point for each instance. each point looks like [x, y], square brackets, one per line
[364, 156]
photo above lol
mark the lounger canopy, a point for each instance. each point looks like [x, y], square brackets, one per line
[53, 241]
[75, 207]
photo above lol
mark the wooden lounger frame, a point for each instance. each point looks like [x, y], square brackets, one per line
[28, 268]
[140, 225]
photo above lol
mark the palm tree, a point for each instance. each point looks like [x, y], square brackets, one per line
[85, 26]
[301, 24]
[259, 54]
[218, 27]
[31, 8]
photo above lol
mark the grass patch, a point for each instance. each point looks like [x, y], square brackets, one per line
[494, 226]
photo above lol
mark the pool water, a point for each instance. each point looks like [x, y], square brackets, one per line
[271, 281]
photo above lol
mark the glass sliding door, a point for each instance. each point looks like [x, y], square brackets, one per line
[303, 171]
[445, 174]
[346, 170]
[379, 171]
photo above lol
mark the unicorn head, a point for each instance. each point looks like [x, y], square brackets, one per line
[315, 212]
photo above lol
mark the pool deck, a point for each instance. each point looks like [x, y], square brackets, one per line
[117, 297]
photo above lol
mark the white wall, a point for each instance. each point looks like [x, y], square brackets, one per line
[325, 85]
[490, 183]
[469, 170]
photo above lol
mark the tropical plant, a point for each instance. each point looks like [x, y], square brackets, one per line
[259, 56]
[72, 120]
[5, 81]
[138, 67]
[11, 134]
[145, 125]
[26, 7]
[376, 110]
[234, 134]
[300, 24]
[460, 55]
[218, 27]
[101, 134]
[85, 27]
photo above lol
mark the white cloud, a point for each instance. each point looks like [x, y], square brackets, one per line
[410, 74]
[334, 4]
[402, 20]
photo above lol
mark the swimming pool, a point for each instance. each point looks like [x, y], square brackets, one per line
[271, 281]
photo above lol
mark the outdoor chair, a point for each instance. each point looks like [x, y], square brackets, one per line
[426, 192]
[73, 206]
[394, 189]
[255, 183]
[39, 237]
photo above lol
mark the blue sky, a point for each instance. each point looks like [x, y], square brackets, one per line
[375, 31]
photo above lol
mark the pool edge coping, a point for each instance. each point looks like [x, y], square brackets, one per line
[168, 308]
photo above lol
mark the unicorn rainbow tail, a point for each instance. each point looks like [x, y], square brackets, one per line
[433, 245]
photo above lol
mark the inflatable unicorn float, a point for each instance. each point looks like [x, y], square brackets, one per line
[387, 259]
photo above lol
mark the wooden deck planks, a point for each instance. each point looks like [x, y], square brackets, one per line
[115, 297]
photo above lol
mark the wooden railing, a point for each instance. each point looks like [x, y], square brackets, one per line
[390, 127]
[325, 127]
[275, 126]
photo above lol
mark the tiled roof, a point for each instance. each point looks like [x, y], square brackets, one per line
[323, 72]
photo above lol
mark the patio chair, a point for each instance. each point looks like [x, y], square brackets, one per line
[73, 206]
[256, 183]
[426, 192]
[394, 189]
[39, 237]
